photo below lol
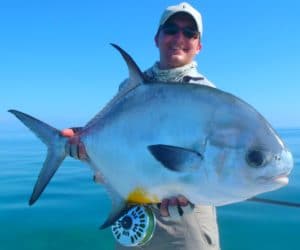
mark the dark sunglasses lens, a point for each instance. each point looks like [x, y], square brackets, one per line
[189, 33]
[170, 30]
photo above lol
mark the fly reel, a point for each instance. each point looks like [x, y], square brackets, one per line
[135, 228]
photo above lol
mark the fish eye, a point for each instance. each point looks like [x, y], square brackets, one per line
[255, 158]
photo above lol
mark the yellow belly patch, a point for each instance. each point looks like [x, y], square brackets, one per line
[140, 196]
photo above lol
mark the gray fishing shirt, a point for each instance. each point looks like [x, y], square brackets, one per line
[185, 74]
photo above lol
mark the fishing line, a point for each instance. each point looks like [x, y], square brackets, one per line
[275, 202]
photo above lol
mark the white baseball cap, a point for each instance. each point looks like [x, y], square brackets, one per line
[182, 7]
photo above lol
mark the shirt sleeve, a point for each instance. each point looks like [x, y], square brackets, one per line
[202, 81]
[197, 78]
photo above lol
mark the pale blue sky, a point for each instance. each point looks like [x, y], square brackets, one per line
[56, 62]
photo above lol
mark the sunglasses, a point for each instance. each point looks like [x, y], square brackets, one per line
[172, 29]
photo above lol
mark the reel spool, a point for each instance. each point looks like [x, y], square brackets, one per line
[135, 228]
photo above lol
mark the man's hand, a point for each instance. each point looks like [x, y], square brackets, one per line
[175, 207]
[76, 148]
[68, 132]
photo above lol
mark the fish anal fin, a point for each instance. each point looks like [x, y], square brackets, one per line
[118, 206]
[116, 213]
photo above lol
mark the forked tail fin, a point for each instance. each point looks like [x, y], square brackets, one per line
[56, 150]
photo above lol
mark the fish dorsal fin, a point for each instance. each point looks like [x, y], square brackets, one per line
[177, 158]
[136, 76]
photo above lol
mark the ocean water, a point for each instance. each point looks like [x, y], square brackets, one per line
[72, 208]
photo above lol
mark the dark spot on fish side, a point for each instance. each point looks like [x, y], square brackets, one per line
[208, 239]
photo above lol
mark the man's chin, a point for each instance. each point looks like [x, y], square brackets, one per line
[177, 61]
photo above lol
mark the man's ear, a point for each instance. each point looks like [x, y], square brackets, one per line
[199, 47]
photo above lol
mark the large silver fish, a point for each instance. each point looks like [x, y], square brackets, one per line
[156, 140]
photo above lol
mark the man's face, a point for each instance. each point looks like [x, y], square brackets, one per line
[176, 49]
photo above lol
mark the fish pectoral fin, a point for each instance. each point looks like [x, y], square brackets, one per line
[176, 158]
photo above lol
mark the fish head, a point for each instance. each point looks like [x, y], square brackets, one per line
[247, 155]
[267, 160]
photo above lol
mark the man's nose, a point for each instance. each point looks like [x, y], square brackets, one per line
[179, 35]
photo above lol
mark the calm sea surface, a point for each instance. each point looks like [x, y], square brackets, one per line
[72, 208]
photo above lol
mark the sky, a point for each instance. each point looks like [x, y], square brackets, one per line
[57, 65]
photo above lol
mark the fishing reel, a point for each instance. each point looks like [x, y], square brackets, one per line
[135, 228]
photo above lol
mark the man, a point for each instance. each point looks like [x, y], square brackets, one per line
[179, 40]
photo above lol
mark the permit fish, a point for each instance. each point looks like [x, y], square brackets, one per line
[155, 140]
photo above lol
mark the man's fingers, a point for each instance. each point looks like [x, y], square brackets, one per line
[164, 208]
[68, 132]
[182, 201]
[173, 201]
[75, 148]
[74, 151]
[81, 152]
[175, 207]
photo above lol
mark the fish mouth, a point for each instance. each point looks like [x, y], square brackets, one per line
[282, 179]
